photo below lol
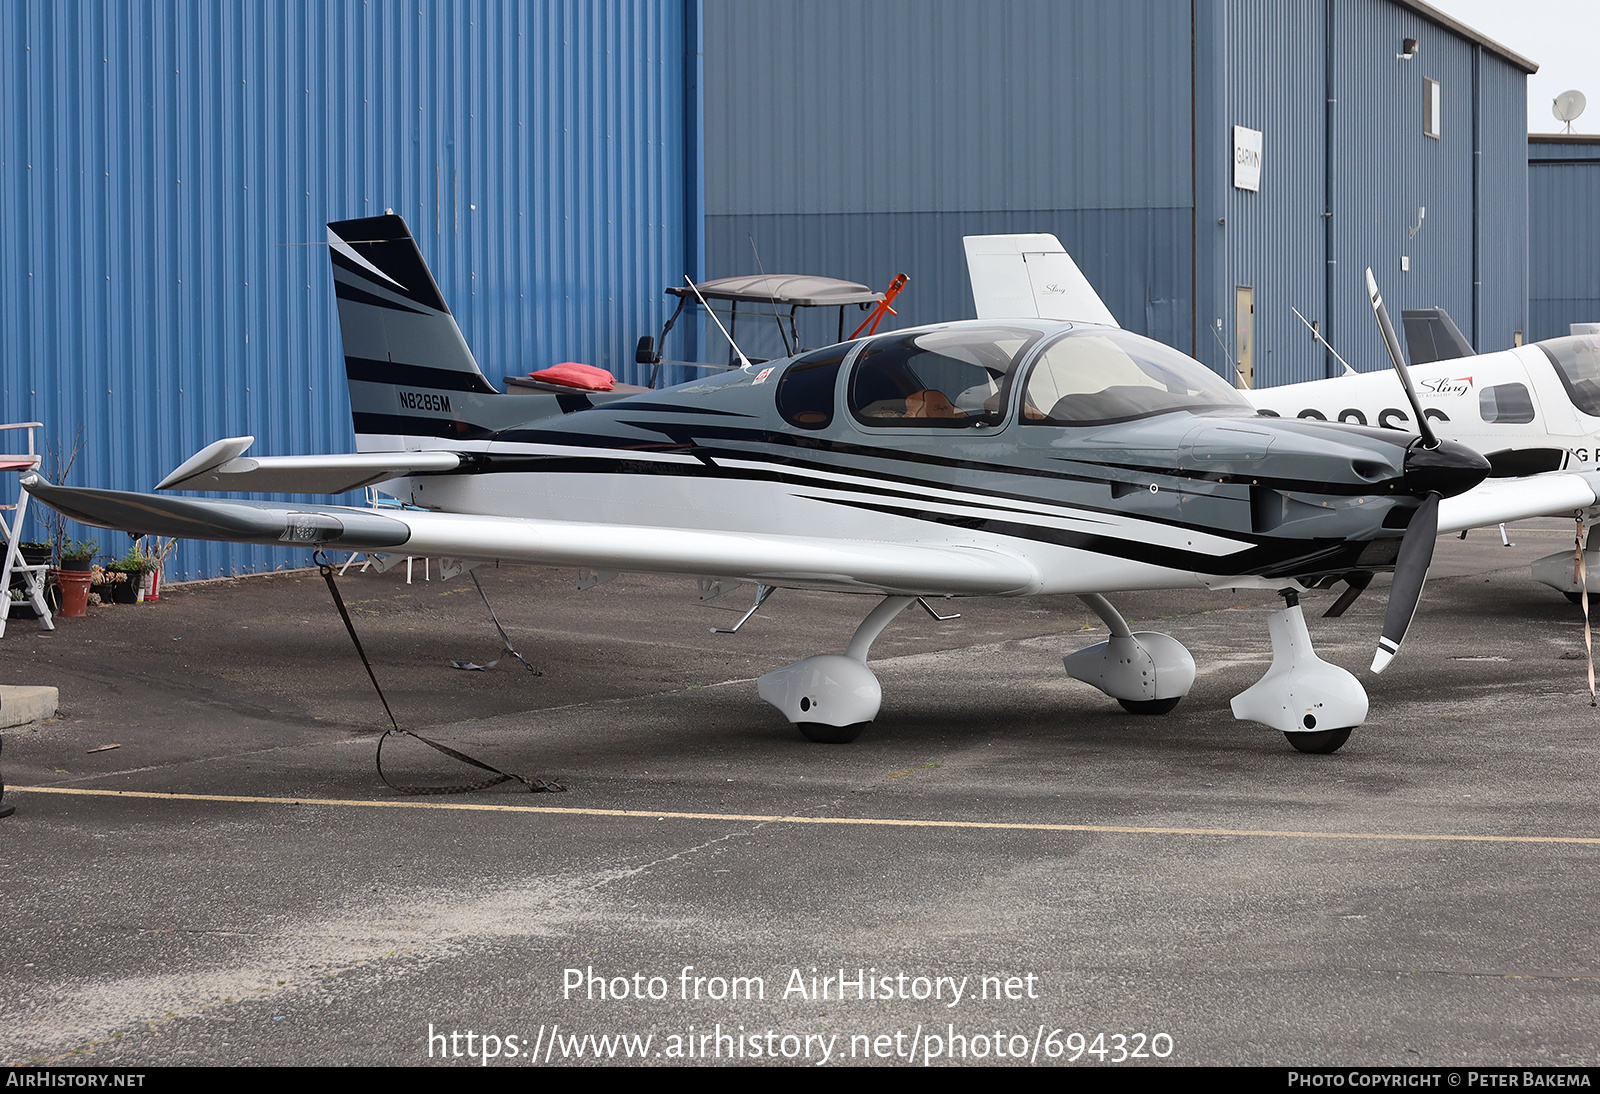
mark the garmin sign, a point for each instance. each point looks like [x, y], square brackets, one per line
[1246, 158]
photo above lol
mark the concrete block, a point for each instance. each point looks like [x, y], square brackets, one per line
[25, 703]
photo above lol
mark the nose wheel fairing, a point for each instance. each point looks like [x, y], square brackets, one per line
[1302, 694]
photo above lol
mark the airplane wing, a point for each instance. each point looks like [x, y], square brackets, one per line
[1033, 277]
[222, 465]
[904, 568]
[1496, 501]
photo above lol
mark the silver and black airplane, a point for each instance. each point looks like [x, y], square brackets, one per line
[997, 457]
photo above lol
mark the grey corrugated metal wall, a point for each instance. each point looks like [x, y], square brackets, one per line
[1277, 74]
[1502, 214]
[862, 140]
[1385, 169]
[1265, 58]
[160, 166]
[1563, 234]
[859, 140]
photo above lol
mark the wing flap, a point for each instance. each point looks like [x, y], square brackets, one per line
[222, 465]
[908, 568]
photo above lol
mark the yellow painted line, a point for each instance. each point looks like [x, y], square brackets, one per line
[779, 818]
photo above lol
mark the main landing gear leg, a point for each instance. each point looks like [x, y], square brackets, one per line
[1146, 672]
[829, 697]
[1313, 703]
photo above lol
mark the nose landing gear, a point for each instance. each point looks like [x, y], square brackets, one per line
[1315, 704]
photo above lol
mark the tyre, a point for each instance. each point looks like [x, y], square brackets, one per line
[1149, 706]
[1322, 742]
[831, 735]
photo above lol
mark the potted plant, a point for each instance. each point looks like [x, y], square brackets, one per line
[155, 551]
[73, 578]
[28, 554]
[78, 554]
[126, 576]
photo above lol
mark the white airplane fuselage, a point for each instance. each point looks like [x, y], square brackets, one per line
[1510, 401]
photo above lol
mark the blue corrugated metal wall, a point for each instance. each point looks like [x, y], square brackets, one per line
[1563, 234]
[862, 140]
[162, 165]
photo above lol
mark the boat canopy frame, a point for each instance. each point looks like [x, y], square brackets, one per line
[758, 291]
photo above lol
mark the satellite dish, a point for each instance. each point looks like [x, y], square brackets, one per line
[1567, 106]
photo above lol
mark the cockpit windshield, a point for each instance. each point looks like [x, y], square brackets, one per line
[1094, 376]
[943, 378]
[1577, 361]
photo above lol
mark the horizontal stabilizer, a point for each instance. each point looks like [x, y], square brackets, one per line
[1030, 277]
[222, 465]
[907, 568]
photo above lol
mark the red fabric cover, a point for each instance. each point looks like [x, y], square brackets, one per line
[572, 374]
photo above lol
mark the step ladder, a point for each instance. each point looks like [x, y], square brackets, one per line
[11, 521]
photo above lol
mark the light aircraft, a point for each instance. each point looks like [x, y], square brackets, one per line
[1029, 454]
[1531, 410]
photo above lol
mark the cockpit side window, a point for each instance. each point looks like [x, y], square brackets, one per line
[1098, 376]
[805, 390]
[1577, 361]
[942, 379]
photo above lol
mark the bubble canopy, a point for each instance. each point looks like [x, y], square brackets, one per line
[961, 377]
[1091, 376]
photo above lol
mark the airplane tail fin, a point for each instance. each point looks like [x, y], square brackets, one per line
[1030, 276]
[413, 381]
[1431, 335]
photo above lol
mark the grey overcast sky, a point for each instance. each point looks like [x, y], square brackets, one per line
[1561, 36]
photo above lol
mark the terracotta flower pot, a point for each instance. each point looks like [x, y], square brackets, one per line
[74, 585]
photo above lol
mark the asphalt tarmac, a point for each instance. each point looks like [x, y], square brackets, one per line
[1006, 868]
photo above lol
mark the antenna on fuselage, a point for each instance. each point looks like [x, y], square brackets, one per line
[696, 290]
[1316, 335]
